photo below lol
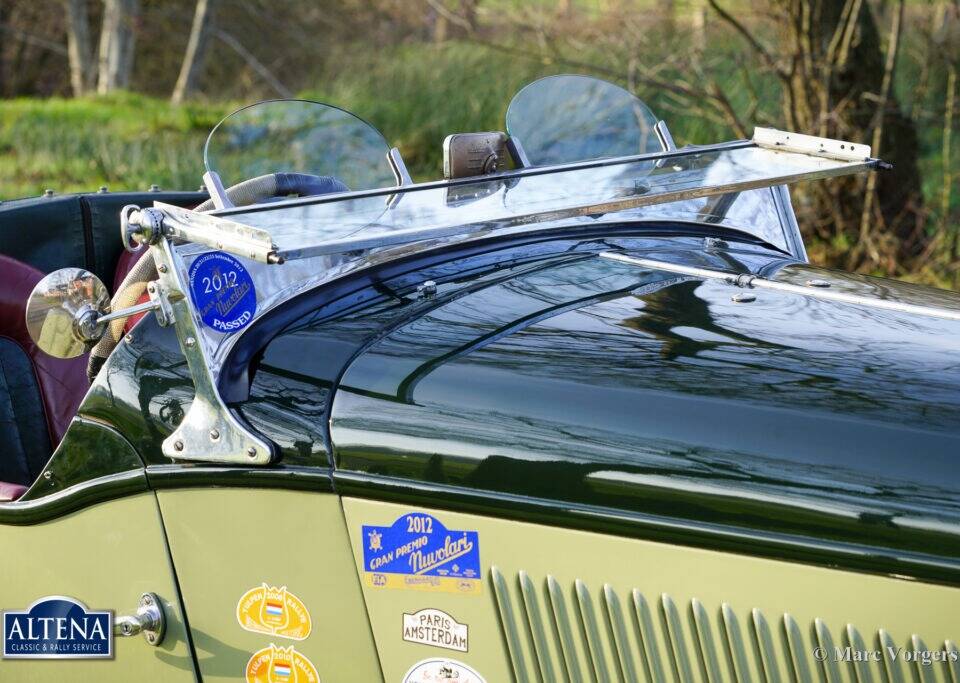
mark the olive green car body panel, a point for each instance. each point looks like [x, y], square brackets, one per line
[226, 541]
[105, 556]
[563, 605]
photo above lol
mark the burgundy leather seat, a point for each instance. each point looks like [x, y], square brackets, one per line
[39, 394]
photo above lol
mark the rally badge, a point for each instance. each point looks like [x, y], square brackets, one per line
[57, 627]
[435, 627]
[441, 671]
[418, 552]
[275, 611]
[222, 292]
[280, 665]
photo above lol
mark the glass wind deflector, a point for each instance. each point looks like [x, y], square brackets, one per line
[339, 223]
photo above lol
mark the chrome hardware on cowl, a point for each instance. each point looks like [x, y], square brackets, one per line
[148, 620]
[816, 289]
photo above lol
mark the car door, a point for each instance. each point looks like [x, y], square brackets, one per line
[268, 580]
[100, 543]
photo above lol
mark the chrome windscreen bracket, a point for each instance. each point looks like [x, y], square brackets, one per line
[210, 431]
[783, 141]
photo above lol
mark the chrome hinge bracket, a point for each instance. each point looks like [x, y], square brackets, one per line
[210, 431]
[160, 298]
[783, 141]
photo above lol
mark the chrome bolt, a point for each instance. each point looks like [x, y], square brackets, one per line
[162, 267]
[48, 475]
[190, 341]
[48, 193]
[743, 298]
[154, 188]
[128, 338]
[178, 445]
[151, 288]
[214, 434]
[103, 190]
[147, 600]
[427, 289]
[252, 452]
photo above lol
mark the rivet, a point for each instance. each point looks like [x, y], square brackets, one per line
[178, 445]
[252, 452]
[147, 600]
[817, 283]
[154, 188]
[162, 267]
[189, 341]
[151, 288]
[48, 475]
[103, 190]
[214, 434]
[48, 193]
[128, 338]
[743, 298]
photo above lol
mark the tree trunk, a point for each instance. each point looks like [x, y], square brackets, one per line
[196, 50]
[833, 87]
[117, 39]
[78, 47]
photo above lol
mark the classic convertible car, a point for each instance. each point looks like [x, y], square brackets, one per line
[579, 411]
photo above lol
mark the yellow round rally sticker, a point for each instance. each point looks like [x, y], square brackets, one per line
[280, 665]
[275, 611]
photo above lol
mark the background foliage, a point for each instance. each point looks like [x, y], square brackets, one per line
[421, 69]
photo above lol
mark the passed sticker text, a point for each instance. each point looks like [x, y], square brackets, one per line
[222, 292]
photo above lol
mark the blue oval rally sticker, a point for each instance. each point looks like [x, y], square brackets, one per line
[223, 292]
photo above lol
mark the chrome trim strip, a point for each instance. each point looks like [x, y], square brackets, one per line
[748, 280]
[506, 175]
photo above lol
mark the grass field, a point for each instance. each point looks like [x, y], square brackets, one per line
[415, 94]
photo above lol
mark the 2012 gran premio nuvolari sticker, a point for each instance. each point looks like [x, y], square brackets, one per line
[418, 552]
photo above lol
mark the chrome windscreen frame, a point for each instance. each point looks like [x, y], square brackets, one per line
[211, 432]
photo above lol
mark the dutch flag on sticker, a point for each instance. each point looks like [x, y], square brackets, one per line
[274, 608]
[281, 670]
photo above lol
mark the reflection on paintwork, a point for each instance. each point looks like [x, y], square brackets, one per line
[789, 413]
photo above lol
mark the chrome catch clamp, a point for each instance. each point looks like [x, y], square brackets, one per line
[140, 226]
[148, 620]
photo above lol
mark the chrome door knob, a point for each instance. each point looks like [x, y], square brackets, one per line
[149, 620]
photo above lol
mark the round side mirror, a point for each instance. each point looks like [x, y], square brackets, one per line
[64, 310]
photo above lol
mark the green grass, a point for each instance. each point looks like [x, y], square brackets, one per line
[416, 95]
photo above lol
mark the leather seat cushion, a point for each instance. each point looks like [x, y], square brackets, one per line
[61, 383]
[23, 425]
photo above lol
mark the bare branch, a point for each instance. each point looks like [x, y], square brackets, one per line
[31, 39]
[253, 62]
[751, 40]
[893, 47]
